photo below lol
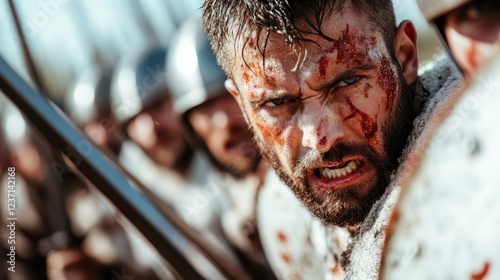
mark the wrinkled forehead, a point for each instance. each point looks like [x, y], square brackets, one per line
[267, 53]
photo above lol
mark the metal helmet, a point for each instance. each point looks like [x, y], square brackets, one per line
[90, 97]
[194, 76]
[138, 82]
[433, 9]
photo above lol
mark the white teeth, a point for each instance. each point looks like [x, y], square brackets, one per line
[337, 173]
[340, 172]
[348, 169]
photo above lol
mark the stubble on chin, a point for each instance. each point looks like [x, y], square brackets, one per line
[346, 207]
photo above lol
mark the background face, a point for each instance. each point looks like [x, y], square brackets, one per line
[158, 131]
[322, 125]
[220, 125]
[473, 34]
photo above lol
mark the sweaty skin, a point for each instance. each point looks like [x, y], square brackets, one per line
[333, 114]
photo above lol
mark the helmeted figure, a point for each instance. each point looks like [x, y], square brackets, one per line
[215, 126]
[89, 106]
[32, 195]
[155, 150]
[469, 29]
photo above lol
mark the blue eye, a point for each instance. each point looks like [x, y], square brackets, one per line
[349, 81]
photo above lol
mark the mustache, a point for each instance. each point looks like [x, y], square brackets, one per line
[338, 154]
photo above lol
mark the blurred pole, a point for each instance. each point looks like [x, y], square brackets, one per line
[144, 22]
[173, 244]
[28, 58]
[81, 22]
[61, 235]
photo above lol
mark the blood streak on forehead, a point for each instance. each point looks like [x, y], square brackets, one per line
[368, 125]
[254, 94]
[323, 66]
[352, 49]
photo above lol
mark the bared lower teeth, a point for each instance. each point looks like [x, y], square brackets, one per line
[340, 172]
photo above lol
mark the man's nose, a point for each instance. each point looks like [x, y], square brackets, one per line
[321, 129]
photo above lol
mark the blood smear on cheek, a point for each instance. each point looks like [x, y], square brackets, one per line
[387, 80]
[367, 88]
[270, 133]
[368, 125]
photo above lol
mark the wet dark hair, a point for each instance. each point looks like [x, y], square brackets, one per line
[226, 20]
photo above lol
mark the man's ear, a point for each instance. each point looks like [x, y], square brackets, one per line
[233, 90]
[406, 50]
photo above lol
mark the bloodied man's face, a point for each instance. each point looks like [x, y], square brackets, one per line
[333, 119]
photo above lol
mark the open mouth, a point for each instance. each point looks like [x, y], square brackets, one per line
[345, 174]
[339, 171]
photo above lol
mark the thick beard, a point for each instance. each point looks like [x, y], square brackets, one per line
[346, 207]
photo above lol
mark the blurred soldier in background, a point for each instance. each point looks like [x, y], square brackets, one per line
[216, 126]
[41, 225]
[142, 106]
[89, 106]
[470, 28]
[156, 151]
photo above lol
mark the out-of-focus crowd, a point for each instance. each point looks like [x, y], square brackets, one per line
[166, 117]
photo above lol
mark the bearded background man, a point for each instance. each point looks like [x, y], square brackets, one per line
[331, 91]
